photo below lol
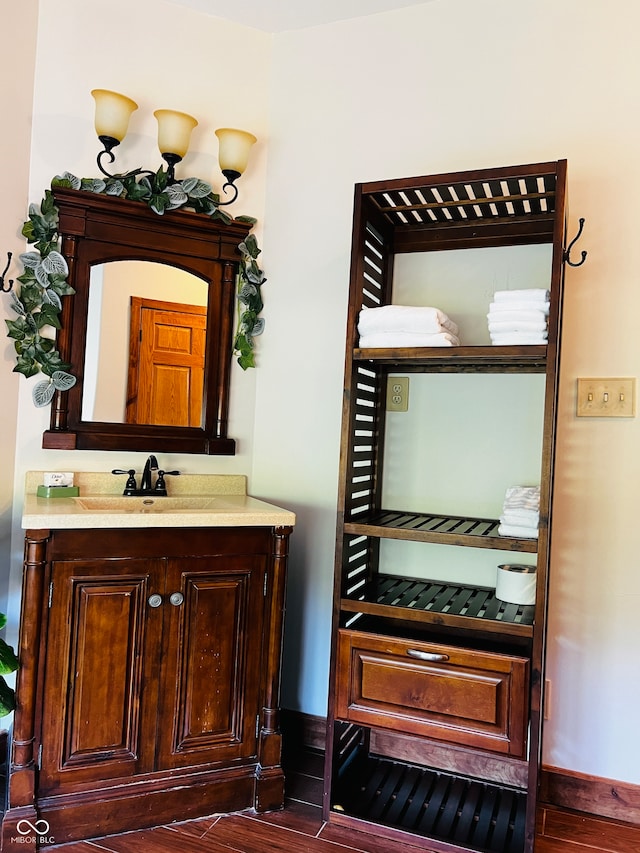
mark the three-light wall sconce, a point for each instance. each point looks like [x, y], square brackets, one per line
[112, 115]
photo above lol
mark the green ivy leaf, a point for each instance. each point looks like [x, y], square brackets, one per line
[159, 202]
[246, 360]
[250, 246]
[7, 698]
[49, 315]
[26, 366]
[8, 660]
[17, 329]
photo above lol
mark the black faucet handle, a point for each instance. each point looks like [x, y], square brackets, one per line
[160, 486]
[130, 487]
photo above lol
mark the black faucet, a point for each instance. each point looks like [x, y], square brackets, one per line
[146, 487]
[145, 483]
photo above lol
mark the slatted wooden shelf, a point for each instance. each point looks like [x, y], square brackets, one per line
[474, 815]
[416, 600]
[463, 359]
[441, 529]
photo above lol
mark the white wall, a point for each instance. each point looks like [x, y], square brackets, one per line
[458, 84]
[161, 55]
[17, 59]
[451, 84]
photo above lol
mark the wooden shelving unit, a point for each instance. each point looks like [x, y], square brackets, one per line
[434, 724]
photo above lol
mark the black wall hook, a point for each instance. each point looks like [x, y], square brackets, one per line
[6, 269]
[567, 252]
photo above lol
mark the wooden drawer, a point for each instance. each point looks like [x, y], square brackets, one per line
[463, 696]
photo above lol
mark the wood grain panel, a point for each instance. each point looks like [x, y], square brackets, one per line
[470, 697]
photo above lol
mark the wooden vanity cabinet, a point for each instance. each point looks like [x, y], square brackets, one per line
[152, 688]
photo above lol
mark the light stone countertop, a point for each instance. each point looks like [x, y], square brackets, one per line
[195, 500]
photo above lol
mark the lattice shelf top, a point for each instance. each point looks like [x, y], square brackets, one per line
[445, 529]
[483, 195]
[427, 600]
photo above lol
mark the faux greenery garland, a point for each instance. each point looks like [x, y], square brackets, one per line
[8, 663]
[44, 280]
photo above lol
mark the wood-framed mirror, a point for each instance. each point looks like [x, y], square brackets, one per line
[114, 245]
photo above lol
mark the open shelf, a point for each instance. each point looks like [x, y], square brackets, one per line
[463, 359]
[471, 814]
[441, 529]
[436, 602]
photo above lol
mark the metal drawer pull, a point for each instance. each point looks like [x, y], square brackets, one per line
[176, 598]
[154, 600]
[432, 656]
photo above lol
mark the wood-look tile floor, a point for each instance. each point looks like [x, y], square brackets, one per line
[299, 828]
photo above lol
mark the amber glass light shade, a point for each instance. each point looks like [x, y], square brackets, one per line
[174, 132]
[113, 112]
[233, 149]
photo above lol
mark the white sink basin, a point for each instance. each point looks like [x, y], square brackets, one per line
[148, 503]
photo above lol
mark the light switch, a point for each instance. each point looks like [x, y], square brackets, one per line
[606, 398]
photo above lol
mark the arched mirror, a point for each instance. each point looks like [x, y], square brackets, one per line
[149, 329]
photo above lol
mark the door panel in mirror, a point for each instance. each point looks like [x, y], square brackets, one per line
[121, 296]
[100, 229]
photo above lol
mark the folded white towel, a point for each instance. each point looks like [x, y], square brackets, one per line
[529, 295]
[407, 339]
[517, 325]
[405, 318]
[511, 519]
[517, 305]
[517, 532]
[518, 338]
[522, 497]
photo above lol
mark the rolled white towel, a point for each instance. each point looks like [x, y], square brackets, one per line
[517, 532]
[518, 338]
[405, 318]
[407, 339]
[529, 295]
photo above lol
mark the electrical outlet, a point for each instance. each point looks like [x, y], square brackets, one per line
[398, 393]
[606, 398]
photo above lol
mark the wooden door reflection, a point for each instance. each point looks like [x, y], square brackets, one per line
[166, 363]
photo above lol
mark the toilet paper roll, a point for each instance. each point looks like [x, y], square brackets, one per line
[516, 583]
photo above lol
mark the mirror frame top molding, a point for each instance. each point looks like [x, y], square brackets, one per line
[101, 228]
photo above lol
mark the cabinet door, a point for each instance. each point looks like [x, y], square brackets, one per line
[212, 656]
[100, 694]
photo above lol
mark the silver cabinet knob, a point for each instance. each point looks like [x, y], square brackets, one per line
[176, 598]
[154, 600]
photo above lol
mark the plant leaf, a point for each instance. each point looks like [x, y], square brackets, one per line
[42, 276]
[93, 185]
[55, 264]
[42, 393]
[63, 380]
[7, 698]
[258, 326]
[176, 195]
[30, 259]
[8, 660]
[199, 189]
